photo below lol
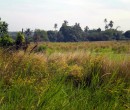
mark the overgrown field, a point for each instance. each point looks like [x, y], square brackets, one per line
[66, 76]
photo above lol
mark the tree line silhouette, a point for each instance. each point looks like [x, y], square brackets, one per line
[65, 33]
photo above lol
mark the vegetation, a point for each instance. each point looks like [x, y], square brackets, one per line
[41, 35]
[6, 41]
[75, 33]
[3, 28]
[20, 39]
[127, 34]
[66, 76]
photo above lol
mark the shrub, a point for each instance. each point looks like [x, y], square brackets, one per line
[42, 48]
[127, 34]
[6, 40]
[20, 39]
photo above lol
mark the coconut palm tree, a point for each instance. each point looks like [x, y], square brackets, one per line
[106, 25]
[55, 26]
[65, 22]
[111, 24]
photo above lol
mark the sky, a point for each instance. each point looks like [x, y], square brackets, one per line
[43, 14]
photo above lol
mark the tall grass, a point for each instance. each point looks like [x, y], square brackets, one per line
[65, 79]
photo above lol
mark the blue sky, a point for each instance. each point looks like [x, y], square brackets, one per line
[44, 13]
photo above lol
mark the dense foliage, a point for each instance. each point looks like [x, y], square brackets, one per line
[6, 40]
[65, 33]
[20, 39]
[3, 28]
[127, 34]
[40, 35]
[75, 33]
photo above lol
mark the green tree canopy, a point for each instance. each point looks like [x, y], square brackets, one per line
[6, 40]
[3, 28]
[20, 39]
[41, 35]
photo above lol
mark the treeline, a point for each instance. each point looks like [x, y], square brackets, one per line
[65, 33]
[75, 33]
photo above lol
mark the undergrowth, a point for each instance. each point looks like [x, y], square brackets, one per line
[65, 80]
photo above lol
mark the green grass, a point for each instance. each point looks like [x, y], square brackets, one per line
[66, 76]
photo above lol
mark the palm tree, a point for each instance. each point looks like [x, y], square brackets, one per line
[55, 26]
[28, 32]
[106, 25]
[105, 20]
[111, 24]
[65, 22]
[86, 29]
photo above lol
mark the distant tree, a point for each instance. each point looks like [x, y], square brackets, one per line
[77, 31]
[65, 23]
[86, 29]
[127, 34]
[55, 26]
[68, 34]
[105, 20]
[3, 28]
[71, 33]
[99, 30]
[111, 24]
[20, 40]
[6, 41]
[40, 35]
[52, 35]
[106, 25]
[28, 33]
[60, 37]
[22, 30]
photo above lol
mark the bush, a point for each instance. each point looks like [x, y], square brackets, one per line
[42, 48]
[20, 39]
[127, 34]
[6, 40]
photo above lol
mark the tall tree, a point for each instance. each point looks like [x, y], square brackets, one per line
[111, 24]
[127, 34]
[20, 40]
[28, 32]
[65, 23]
[99, 30]
[55, 26]
[3, 28]
[105, 20]
[86, 29]
[106, 25]
[40, 35]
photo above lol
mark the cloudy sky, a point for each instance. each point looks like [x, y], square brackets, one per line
[44, 13]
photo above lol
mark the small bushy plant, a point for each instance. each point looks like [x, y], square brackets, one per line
[20, 39]
[6, 40]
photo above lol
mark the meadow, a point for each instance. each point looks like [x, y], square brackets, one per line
[66, 76]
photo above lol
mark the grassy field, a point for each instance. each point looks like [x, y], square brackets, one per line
[66, 76]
